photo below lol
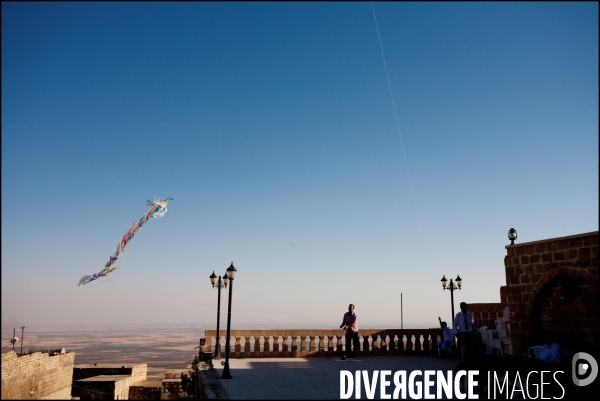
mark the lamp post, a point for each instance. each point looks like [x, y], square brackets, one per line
[220, 284]
[451, 287]
[512, 235]
[14, 340]
[22, 336]
[231, 271]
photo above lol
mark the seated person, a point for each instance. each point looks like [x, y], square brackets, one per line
[551, 351]
[446, 343]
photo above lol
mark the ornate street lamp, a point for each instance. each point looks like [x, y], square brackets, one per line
[220, 284]
[451, 287]
[512, 235]
[231, 271]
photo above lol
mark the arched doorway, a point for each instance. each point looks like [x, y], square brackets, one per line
[560, 306]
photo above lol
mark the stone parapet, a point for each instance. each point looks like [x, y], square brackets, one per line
[323, 343]
[37, 375]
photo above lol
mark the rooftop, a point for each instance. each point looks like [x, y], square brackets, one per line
[107, 365]
[105, 378]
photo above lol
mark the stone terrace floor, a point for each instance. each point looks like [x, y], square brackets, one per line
[314, 378]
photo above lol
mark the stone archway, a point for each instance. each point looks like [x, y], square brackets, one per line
[560, 306]
[561, 301]
[533, 270]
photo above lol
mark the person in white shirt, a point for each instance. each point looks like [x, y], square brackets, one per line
[463, 326]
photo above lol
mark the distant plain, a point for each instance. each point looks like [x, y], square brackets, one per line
[161, 347]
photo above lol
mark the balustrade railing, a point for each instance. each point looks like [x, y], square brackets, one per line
[302, 343]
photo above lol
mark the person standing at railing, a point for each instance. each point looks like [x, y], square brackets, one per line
[350, 323]
[463, 326]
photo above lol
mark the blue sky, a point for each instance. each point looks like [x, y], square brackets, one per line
[271, 126]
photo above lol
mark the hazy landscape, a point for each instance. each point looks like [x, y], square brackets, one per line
[161, 347]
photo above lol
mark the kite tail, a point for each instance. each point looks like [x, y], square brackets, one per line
[158, 210]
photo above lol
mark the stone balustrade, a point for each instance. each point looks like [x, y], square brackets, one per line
[323, 343]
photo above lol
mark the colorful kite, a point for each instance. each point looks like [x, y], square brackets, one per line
[157, 210]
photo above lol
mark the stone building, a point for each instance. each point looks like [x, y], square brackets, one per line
[104, 387]
[106, 380]
[550, 284]
[112, 381]
[38, 375]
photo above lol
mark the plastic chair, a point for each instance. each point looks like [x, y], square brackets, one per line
[492, 350]
[534, 351]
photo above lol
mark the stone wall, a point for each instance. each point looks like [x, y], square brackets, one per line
[553, 284]
[139, 372]
[148, 390]
[209, 383]
[122, 388]
[37, 375]
[172, 390]
[62, 394]
[487, 314]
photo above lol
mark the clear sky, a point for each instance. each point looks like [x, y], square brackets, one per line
[272, 128]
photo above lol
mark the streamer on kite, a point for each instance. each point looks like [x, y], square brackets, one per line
[158, 208]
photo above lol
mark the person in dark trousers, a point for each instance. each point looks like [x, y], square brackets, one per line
[463, 326]
[350, 323]
[476, 348]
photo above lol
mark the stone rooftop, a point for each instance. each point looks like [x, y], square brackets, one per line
[105, 378]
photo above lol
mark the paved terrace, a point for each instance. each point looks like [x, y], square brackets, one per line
[306, 364]
[314, 378]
